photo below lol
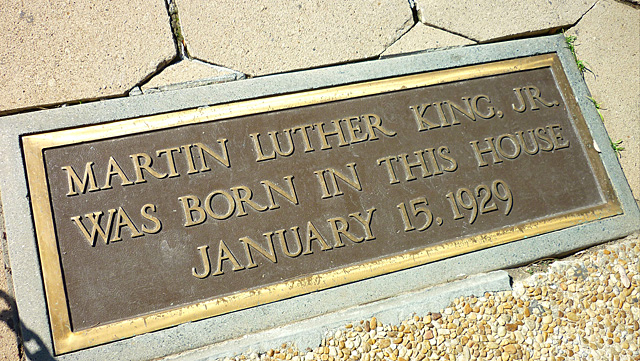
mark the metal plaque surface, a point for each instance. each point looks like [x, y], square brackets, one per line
[151, 222]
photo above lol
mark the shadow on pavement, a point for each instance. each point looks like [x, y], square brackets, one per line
[33, 347]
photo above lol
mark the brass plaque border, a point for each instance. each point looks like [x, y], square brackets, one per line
[65, 340]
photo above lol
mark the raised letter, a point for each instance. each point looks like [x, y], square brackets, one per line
[418, 115]
[376, 123]
[171, 163]
[96, 228]
[468, 112]
[430, 153]
[404, 160]
[444, 122]
[305, 136]
[324, 134]
[490, 109]
[283, 241]
[114, 169]
[157, 225]
[556, 137]
[276, 142]
[490, 149]
[231, 205]
[249, 243]
[225, 254]
[323, 183]
[522, 107]
[146, 165]
[269, 187]
[392, 174]
[453, 164]
[222, 159]
[523, 143]
[88, 179]
[352, 129]
[245, 198]
[354, 182]
[314, 235]
[258, 148]
[188, 209]
[514, 142]
[366, 223]
[204, 254]
[123, 220]
[542, 135]
[340, 226]
[533, 95]
[187, 153]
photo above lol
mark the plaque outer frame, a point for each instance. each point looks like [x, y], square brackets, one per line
[66, 340]
[25, 262]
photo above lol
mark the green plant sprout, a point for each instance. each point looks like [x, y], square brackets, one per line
[598, 107]
[617, 148]
[570, 40]
[539, 266]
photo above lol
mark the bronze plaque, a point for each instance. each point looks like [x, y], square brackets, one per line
[151, 222]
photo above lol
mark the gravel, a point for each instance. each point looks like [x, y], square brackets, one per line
[583, 308]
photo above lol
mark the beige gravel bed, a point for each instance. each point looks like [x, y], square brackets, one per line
[585, 307]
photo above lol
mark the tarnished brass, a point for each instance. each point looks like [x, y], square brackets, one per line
[208, 211]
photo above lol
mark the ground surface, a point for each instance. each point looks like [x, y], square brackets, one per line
[56, 54]
[585, 307]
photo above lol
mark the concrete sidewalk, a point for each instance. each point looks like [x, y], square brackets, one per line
[64, 53]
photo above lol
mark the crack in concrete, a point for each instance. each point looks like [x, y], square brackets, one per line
[451, 32]
[585, 13]
[178, 40]
[403, 30]
[183, 53]
[414, 19]
[414, 11]
[528, 34]
[176, 29]
[398, 39]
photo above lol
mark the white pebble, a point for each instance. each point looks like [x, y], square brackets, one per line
[623, 276]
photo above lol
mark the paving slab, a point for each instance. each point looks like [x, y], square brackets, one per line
[608, 40]
[486, 20]
[65, 51]
[273, 36]
[189, 73]
[422, 37]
